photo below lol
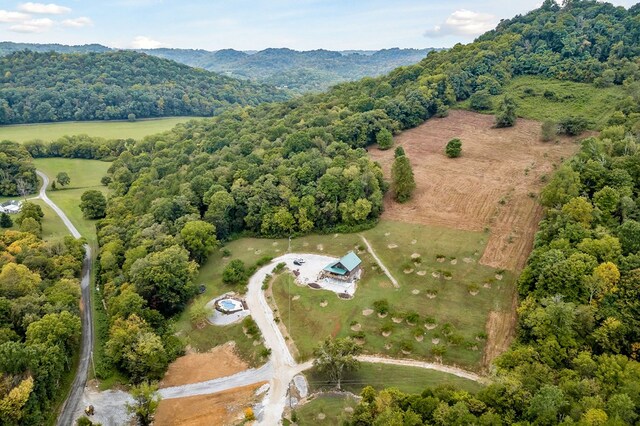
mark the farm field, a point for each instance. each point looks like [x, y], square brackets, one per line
[545, 99]
[493, 186]
[85, 175]
[420, 291]
[104, 129]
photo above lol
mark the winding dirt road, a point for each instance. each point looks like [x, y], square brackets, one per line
[72, 403]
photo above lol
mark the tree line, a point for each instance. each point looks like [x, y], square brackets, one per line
[46, 87]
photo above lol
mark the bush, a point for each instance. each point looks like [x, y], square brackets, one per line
[549, 130]
[506, 116]
[226, 252]
[480, 101]
[234, 273]
[381, 306]
[279, 267]
[264, 260]
[572, 126]
[454, 148]
[384, 139]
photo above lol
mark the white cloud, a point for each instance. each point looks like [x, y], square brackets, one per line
[464, 22]
[32, 26]
[142, 42]
[43, 9]
[11, 16]
[80, 22]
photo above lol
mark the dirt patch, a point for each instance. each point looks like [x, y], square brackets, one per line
[324, 304]
[435, 341]
[392, 246]
[421, 273]
[466, 192]
[415, 291]
[454, 261]
[386, 333]
[500, 329]
[415, 255]
[414, 241]
[467, 260]
[499, 277]
[435, 274]
[356, 327]
[296, 297]
[408, 271]
[367, 312]
[222, 408]
[320, 247]
[220, 361]
[396, 320]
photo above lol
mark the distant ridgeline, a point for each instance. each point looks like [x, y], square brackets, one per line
[297, 71]
[44, 87]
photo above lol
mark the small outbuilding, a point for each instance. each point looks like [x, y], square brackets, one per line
[344, 269]
[11, 207]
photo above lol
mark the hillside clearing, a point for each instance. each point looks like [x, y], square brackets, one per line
[493, 186]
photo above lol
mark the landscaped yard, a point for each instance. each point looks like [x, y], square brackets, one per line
[85, 175]
[104, 129]
[424, 289]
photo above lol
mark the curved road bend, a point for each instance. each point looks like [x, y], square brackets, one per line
[72, 403]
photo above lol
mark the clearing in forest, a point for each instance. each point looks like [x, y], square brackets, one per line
[494, 185]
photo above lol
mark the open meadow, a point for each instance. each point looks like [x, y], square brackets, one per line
[104, 129]
[84, 175]
[546, 99]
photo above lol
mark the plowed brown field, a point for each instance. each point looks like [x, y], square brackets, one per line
[491, 186]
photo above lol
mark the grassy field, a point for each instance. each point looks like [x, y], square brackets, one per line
[562, 99]
[380, 376]
[327, 409]
[105, 129]
[84, 174]
[310, 323]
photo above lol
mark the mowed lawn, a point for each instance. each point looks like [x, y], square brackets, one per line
[545, 99]
[309, 322]
[327, 409]
[85, 175]
[105, 129]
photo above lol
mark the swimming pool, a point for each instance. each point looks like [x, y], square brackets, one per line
[229, 305]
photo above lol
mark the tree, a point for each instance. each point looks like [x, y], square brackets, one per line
[146, 400]
[93, 204]
[63, 179]
[398, 152]
[403, 182]
[480, 101]
[453, 148]
[5, 221]
[335, 357]
[629, 234]
[199, 238]
[61, 329]
[17, 280]
[384, 139]
[572, 126]
[506, 116]
[32, 210]
[165, 279]
[12, 405]
[234, 272]
[32, 226]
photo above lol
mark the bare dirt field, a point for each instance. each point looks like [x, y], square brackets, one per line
[220, 361]
[223, 408]
[493, 185]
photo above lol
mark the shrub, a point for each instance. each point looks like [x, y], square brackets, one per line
[549, 130]
[279, 267]
[453, 148]
[412, 317]
[417, 260]
[549, 94]
[572, 126]
[358, 335]
[386, 328]
[248, 414]
[406, 345]
[506, 116]
[226, 252]
[381, 306]
[480, 101]
[250, 326]
[384, 139]
[234, 273]
[264, 260]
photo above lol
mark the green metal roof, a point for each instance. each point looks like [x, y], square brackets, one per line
[346, 264]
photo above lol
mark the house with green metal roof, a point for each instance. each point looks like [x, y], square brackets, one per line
[345, 268]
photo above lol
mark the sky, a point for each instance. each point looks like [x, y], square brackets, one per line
[258, 24]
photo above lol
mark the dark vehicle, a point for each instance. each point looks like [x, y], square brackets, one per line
[297, 262]
[201, 289]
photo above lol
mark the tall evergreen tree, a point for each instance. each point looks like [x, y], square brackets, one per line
[403, 182]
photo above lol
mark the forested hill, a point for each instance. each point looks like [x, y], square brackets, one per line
[314, 70]
[298, 71]
[44, 87]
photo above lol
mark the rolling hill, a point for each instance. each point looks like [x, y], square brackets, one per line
[46, 87]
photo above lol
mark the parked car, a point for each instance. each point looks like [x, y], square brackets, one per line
[297, 262]
[300, 260]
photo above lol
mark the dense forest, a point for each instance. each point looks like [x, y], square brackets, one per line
[17, 172]
[45, 87]
[39, 319]
[294, 70]
[300, 166]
